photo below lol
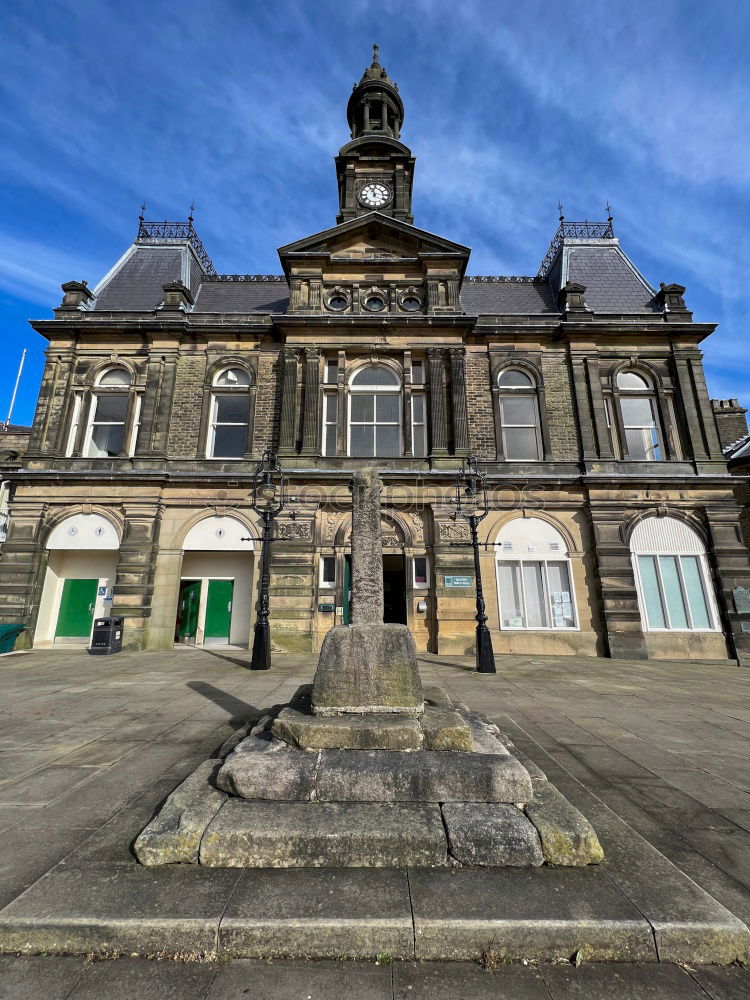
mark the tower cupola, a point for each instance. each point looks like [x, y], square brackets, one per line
[375, 169]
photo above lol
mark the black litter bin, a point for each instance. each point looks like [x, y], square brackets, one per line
[106, 637]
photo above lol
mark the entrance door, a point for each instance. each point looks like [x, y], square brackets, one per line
[394, 589]
[76, 609]
[218, 610]
[187, 610]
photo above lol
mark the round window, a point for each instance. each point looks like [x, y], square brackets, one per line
[375, 303]
[338, 302]
[411, 303]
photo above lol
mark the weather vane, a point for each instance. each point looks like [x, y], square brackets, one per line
[142, 216]
[192, 209]
[560, 210]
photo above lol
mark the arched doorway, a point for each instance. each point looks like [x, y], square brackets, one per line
[214, 605]
[79, 580]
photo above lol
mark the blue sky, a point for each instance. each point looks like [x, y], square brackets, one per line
[240, 105]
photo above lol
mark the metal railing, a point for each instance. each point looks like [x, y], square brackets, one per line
[177, 231]
[574, 230]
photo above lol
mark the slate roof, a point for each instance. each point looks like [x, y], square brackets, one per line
[612, 284]
[137, 284]
[480, 298]
[243, 297]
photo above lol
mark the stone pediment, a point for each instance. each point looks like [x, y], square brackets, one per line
[372, 235]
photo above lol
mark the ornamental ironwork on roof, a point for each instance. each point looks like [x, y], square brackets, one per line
[177, 231]
[512, 279]
[574, 230]
[246, 277]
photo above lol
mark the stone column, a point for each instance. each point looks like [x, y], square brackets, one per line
[438, 418]
[458, 397]
[311, 429]
[729, 559]
[288, 423]
[367, 549]
[603, 438]
[585, 422]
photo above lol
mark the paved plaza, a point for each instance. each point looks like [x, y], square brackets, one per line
[90, 746]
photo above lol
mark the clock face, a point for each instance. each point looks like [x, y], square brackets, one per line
[374, 195]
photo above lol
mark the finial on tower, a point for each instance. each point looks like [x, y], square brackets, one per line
[560, 210]
[608, 210]
[142, 216]
[375, 54]
[192, 209]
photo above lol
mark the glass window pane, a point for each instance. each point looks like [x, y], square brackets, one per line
[520, 442]
[419, 441]
[230, 441]
[329, 447]
[362, 407]
[696, 596]
[417, 373]
[106, 440]
[673, 595]
[637, 411]
[116, 376]
[329, 569]
[386, 408]
[332, 408]
[332, 371]
[233, 376]
[232, 409]
[509, 586]
[420, 569]
[533, 588]
[519, 410]
[417, 408]
[111, 408]
[643, 444]
[388, 441]
[362, 441]
[629, 380]
[651, 594]
[560, 595]
[375, 376]
[514, 378]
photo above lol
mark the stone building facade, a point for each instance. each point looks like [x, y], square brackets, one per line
[613, 527]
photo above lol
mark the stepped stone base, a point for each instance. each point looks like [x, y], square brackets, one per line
[271, 802]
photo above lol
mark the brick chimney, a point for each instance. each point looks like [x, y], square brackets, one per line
[731, 421]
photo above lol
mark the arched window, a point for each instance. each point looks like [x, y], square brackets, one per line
[106, 435]
[534, 581]
[641, 433]
[375, 413]
[672, 578]
[519, 416]
[229, 421]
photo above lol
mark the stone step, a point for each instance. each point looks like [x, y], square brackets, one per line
[247, 834]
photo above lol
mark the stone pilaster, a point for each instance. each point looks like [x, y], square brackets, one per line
[583, 407]
[458, 398]
[622, 627]
[701, 427]
[438, 414]
[22, 568]
[731, 568]
[311, 429]
[134, 580]
[288, 423]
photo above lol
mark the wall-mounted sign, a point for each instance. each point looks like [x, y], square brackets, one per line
[741, 597]
[459, 581]
[327, 608]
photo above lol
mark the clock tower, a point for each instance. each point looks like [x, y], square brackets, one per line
[375, 170]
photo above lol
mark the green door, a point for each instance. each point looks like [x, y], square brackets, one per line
[218, 609]
[76, 608]
[187, 612]
[347, 595]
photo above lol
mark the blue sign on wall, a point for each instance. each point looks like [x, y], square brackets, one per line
[459, 581]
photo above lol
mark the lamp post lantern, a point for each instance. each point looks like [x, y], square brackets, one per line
[472, 504]
[267, 500]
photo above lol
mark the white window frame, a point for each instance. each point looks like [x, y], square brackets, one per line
[645, 391]
[328, 398]
[118, 391]
[227, 390]
[426, 584]
[367, 389]
[530, 391]
[75, 421]
[419, 427]
[328, 584]
[559, 557]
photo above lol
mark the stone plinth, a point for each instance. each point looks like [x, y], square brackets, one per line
[365, 669]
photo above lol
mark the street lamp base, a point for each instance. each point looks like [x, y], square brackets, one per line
[485, 653]
[261, 658]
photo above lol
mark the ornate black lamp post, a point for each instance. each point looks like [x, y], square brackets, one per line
[268, 501]
[471, 503]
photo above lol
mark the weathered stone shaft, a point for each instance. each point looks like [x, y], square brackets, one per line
[367, 549]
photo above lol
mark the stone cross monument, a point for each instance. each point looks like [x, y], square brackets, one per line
[369, 666]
